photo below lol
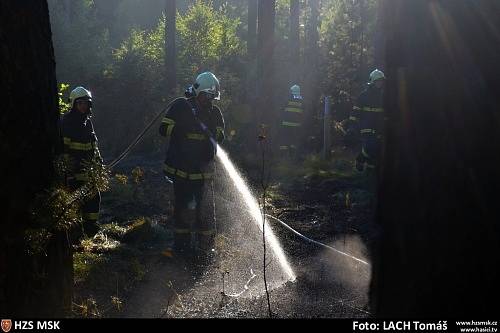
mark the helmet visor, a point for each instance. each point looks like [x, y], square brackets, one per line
[210, 94]
[84, 101]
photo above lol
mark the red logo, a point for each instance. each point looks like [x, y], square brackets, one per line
[6, 325]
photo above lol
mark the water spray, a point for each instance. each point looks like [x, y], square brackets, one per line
[249, 200]
[254, 210]
[240, 184]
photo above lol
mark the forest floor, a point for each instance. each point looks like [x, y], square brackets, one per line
[125, 271]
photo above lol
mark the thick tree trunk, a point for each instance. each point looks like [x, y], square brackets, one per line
[265, 61]
[438, 196]
[30, 285]
[294, 40]
[68, 11]
[379, 39]
[170, 51]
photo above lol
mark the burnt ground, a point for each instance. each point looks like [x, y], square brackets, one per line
[126, 272]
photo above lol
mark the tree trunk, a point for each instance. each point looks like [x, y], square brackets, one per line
[68, 9]
[252, 28]
[294, 40]
[312, 34]
[379, 39]
[30, 285]
[170, 51]
[251, 76]
[362, 23]
[265, 61]
[438, 193]
[311, 75]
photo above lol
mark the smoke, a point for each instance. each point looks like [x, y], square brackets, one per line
[350, 273]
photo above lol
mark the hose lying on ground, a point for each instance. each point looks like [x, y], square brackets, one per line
[307, 238]
[316, 242]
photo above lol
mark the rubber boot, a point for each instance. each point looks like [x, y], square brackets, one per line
[183, 243]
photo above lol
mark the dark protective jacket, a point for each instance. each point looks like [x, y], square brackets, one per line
[368, 113]
[191, 153]
[293, 115]
[80, 143]
[292, 124]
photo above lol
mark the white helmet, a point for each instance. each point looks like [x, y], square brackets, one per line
[295, 90]
[208, 83]
[376, 75]
[79, 92]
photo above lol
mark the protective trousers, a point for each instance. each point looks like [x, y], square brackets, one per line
[370, 145]
[289, 142]
[89, 209]
[194, 215]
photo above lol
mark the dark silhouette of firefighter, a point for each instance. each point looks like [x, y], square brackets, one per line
[194, 126]
[368, 118]
[81, 153]
[291, 126]
[342, 109]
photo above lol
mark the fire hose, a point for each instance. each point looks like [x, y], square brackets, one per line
[307, 239]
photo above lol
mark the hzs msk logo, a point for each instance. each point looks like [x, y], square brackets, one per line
[6, 325]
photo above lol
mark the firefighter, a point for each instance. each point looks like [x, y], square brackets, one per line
[194, 127]
[342, 108]
[81, 153]
[291, 126]
[368, 115]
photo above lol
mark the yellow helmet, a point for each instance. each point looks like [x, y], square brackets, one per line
[77, 93]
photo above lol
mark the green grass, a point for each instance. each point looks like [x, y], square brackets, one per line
[108, 265]
[114, 230]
